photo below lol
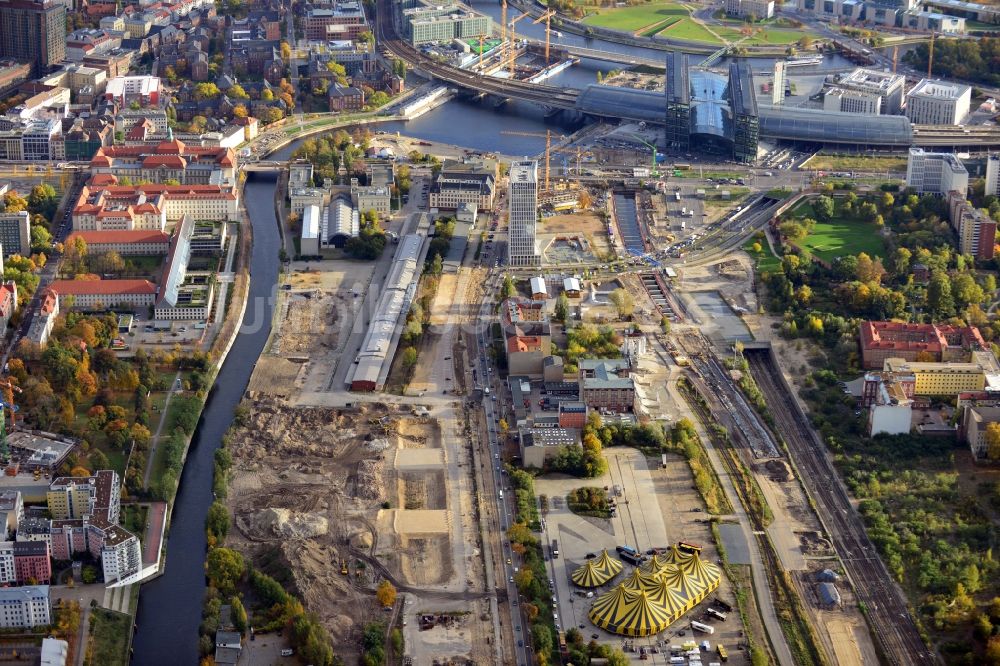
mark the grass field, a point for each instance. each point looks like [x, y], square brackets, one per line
[765, 260]
[690, 31]
[109, 637]
[856, 163]
[840, 236]
[638, 17]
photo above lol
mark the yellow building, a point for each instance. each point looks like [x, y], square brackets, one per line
[70, 498]
[940, 378]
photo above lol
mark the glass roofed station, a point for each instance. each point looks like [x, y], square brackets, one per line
[712, 111]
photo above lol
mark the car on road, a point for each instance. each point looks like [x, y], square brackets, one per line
[520, 643]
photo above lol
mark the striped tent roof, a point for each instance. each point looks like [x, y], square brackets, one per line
[638, 580]
[707, 573]
[609, 564]
[669, 598]
[636, 615]
[687, 586]
[656, 563]
[590, 575]
[608, 607]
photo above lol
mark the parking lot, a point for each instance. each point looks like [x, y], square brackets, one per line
[655, 508]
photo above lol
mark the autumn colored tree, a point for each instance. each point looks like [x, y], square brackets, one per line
[386, 594]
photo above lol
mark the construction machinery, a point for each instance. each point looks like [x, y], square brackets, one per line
[548, 150]
[512, 51]
[654, 170]
[547, 17]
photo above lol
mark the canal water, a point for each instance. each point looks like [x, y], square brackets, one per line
[170, 606]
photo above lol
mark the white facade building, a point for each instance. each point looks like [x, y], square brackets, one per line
[24, 607]
[866, 91]
[522, 197]
[993, 175]
[935, 102]
[935, 173]
[311, 222]
[121, 555]
[7, 574]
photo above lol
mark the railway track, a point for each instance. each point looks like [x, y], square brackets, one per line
[887, 609]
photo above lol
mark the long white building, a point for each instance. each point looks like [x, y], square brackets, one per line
[867, 92]
[935, 173]
[523, 210]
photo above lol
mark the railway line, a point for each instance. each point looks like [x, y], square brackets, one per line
[887, 610]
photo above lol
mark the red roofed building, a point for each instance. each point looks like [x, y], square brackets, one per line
[171, 203]
[100, 294]
[889, 339]
[124, 242]
[167, 160]
[8, 303]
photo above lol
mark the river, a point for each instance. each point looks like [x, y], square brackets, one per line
[170, 607]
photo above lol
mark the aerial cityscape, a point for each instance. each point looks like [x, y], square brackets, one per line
[509, 332]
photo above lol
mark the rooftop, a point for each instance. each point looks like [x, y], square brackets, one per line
[938, 89]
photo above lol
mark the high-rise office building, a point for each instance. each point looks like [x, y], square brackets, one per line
[33, 32]
[522, 200]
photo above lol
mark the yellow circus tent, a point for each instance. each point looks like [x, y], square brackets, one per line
[635, 615]
[654, 595]
[590, 575]
[606, 563]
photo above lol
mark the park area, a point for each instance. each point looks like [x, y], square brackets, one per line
[866, 163]
[841, 235]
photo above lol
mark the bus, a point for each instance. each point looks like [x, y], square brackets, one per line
[721, 650]
[703, 628]
[718, 615]
[689, 547]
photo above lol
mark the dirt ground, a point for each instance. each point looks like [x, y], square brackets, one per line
[298, 474]
[586, 224]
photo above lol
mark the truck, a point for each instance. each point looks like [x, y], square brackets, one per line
[663, 460]
[718, 615]
[703, 628]
[555, 549]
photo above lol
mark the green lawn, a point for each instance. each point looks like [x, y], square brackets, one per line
[869, 163]
[638, 17]
[840, 237]
[765, 260]
[690, 31]
[109, 637]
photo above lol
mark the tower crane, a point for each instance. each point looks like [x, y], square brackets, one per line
[503, 21]
[513, 52]
[547, 17]
[548, 148]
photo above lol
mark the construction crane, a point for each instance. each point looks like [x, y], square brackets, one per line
[513, 37]
[930, 56]
[654, 170]
[503, 21]
[9, 388]
[547, 17]
[481, 38]
[548, 147]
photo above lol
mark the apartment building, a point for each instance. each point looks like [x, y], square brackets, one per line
[33, 32]
[15, 233]
[974, 421]
[121, 554]
[106, 206]
[32, 562]
[977, 231]
[11, 511]
[25, 607]
[76, 497]
[344, 21]
[45, 320]
[102, 294]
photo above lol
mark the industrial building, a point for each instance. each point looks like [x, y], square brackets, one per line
[936, 102]
[605, 385]
[382, 337]
[523, 202]
[935, 173]
[866, 91]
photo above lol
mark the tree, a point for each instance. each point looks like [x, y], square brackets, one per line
[399, 68]
[338, 72]
[409, 357]
[14, 202]
[623, 302]
[940, 300]
[868, 269]
[238, 614]
[205, 91]
[562, 307]
[823, 208]
[224, 567]
[901, 261]
[992, 440]
[437, 265]
[41, 239]
[217, 520]
[236, 91]
[507, 290]
[386, 594]
[286, 51]
[503, 426]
